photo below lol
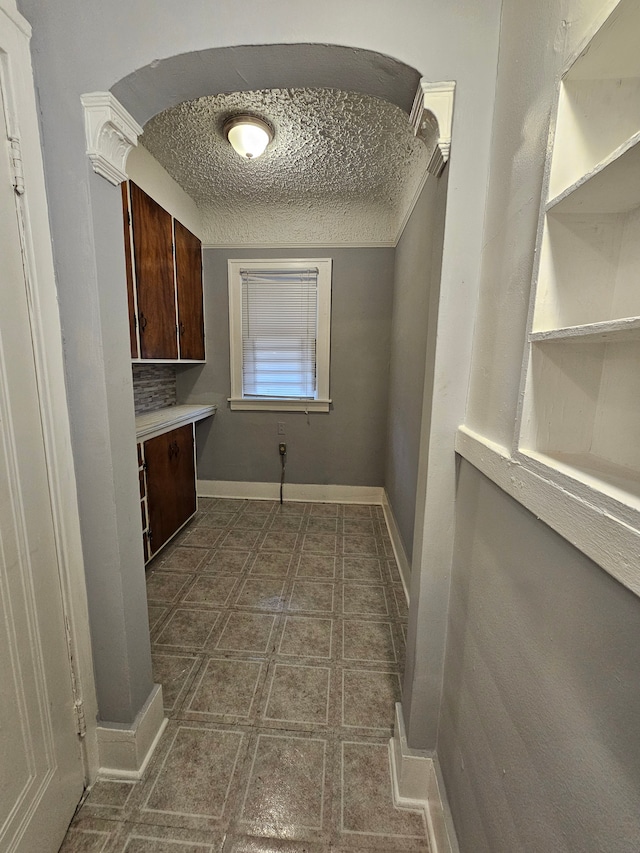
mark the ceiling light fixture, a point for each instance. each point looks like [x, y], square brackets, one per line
[248, 135]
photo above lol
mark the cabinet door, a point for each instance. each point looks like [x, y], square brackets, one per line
[153, 254]
[126, 216]
[171, 483]
[189, 289]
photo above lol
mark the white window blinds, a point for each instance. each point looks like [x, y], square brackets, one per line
[279, 332]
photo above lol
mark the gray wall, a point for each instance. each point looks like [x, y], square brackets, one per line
[345, 446]
[539, 727]
[414, 281]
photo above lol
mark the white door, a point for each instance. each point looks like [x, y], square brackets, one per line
[41, 771]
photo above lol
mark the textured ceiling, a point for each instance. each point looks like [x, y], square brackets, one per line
[342, 168]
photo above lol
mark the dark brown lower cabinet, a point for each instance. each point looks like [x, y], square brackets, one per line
[171, 484]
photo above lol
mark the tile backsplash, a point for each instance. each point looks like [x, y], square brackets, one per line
[154, 387]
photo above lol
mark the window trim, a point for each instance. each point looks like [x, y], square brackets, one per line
[322, 401]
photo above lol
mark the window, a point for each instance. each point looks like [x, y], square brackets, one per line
[279, 334]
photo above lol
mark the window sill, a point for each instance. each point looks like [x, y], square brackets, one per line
[606, 530]
[273, 405]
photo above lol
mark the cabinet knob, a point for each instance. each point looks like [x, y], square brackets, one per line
[143, 322]
[182, 328]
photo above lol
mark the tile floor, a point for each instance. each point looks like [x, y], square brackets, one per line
[278, 635]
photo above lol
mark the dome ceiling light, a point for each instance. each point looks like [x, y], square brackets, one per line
[248, 135]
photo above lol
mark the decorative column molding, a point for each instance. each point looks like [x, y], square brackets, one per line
[432, 120]
[111, 132]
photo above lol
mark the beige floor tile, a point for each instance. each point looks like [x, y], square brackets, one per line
[357, 511]
[250, 521]
[246, 632]
[279, 541]
[362, 526]
[225, 505]
[364, 600]
[211, 590]
[227, 562]
[259, 506]
[194, 778]
[365, 545]
[325, 509]
[285, 795]
[298, 694]
[271, 564]
[251, 844]
[321, 524]
[92, 835]
[109, 800]
[166, 587]
[319, 543]
[316, 566]
[367, 802]
[143, 838]
[240, 540]
[187, 629]
[285, 523]
[368, 641]
[362, 569]
[204, 537]
[220, 520]
[312, 680]
[368, 699]
[291, 508]
[312, 596]
[156, 612]
[184, 559]
[306, 636]
[261, 594]
[173, 672]
[226, 688]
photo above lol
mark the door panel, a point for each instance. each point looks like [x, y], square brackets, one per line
[41, 773]
[189, 287]
[153, 254]
[171, 490]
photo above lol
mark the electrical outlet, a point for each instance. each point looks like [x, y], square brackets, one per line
[282, 448]
[280, 427]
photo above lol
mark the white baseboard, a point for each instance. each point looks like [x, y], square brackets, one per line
[397, 544]
[308, 492]
[125, 751]
[417, 784]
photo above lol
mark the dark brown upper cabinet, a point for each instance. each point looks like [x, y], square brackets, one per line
[164, 282]
[189, 291]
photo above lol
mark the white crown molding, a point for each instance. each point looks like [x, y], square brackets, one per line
[432, 120]
[111, 132]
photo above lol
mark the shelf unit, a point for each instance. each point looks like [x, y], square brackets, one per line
[580, 418]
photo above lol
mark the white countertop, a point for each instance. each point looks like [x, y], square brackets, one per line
[150, 424]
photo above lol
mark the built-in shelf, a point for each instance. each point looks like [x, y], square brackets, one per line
[614, 331]
[580, 419]
[620, 485]
[606, 188]
[599, 100]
